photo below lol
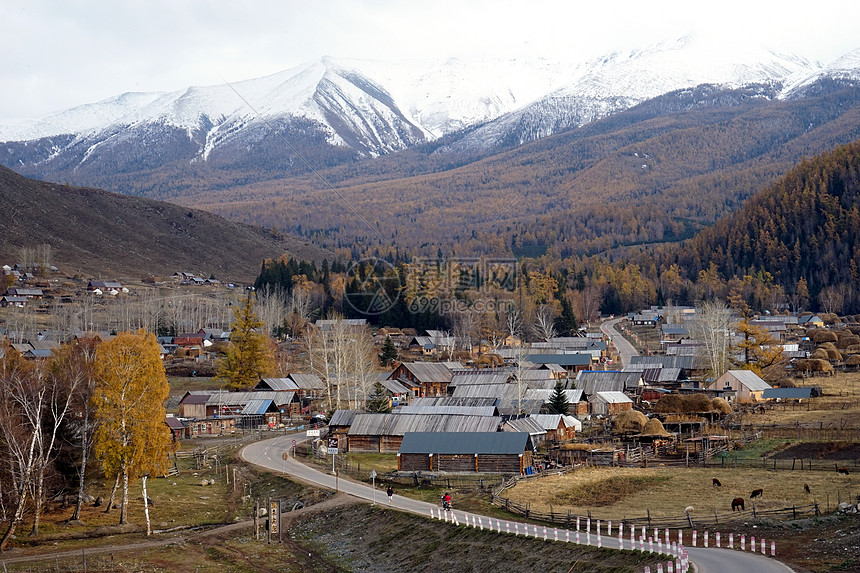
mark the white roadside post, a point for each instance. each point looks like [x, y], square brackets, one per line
[373, 482]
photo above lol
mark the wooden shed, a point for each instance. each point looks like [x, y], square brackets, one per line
[609, 403]
[482, 452]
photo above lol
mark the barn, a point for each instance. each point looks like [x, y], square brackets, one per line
[481, 452]
[609, 403]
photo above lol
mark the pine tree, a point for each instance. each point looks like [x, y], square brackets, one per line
[378, 401]
[558, 403]
[248, 357]
[129, 398]
[389, 352]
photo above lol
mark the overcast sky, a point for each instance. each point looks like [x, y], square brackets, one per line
[58, 54]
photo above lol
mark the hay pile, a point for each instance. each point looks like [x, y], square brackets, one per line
[848, 341]
[853, 360]
[654, 428]
[721, 406]
[821, 335]
[820, 354]
[629, 422]
[699, 403]
[813, 365]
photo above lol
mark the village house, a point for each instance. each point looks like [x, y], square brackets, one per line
[746, 385]
[609, 403]
[468, 452]
[383, 433]
[425, 378]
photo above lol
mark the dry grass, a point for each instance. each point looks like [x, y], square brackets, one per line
[667, 491]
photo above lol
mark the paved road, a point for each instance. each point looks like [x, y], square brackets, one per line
[625, 349]
[268, 454]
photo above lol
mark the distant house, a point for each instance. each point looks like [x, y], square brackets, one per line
[429, 378]
[594, 381]
[810, 321]
[609, 403]
[104, 286]
[25, 292]
[187, 339]
[14, 301]
[559, 427]
[177, 428]
[571, 362]
[746, 384]
[472, 452]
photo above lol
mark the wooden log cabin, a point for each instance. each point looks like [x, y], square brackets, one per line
[469, 452]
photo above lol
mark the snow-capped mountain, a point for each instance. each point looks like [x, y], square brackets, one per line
[344, 108]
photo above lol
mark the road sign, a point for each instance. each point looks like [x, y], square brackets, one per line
[313, 433]
[294, 443]
[332, 445]
[274, 516]
[285, 456]
[373, 474]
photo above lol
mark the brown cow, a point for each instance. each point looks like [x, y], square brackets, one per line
[840, 470]
[806, 487]
[738, 503]
[717, 483]
[757, 493]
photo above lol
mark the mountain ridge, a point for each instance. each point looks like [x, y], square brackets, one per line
[96, 232]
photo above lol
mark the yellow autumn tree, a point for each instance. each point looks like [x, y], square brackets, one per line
[131, 390]
[249, 357]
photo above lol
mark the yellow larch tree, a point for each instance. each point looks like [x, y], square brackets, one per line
[129, 399]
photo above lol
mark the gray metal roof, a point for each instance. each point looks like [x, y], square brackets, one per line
[527, 424]
[788, 393]
[748, 378]
[572, 359]
[593, 381]
[507, 443]
[343, 417]
[479, 378]
[243, 398]
[427, 371]
[399, 424]
[445, 409]
[452, 401]
[552, 421]
[610, 397]
[256, 407]
[277, 384]
[573, 395]
[307, 381]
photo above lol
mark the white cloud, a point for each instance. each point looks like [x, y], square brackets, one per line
[58, 54]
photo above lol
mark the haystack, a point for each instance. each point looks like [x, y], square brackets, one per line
[629, 422]
[834, 355]
[721, 406]
[670, 403]
[697, 403]
[827, 346]
[853, 360]
[813, 365]
[820, 354]
[847, 341]
[824, 336]
[654, 428]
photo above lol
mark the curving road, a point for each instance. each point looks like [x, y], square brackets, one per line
[625, 349]
[268, 454]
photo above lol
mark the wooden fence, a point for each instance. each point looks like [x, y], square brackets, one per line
[568, 518]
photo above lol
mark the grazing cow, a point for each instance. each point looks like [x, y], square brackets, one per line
[806, 487]
[757, 493]
[841, 470]
[717, 483]
[738, 504]
[688, 509]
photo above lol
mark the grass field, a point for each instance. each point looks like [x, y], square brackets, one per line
[618, 493]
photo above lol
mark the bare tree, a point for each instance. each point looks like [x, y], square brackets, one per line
[714, 322]
[544, 325]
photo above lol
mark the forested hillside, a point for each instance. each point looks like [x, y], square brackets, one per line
[657, 172]
[806, 228]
